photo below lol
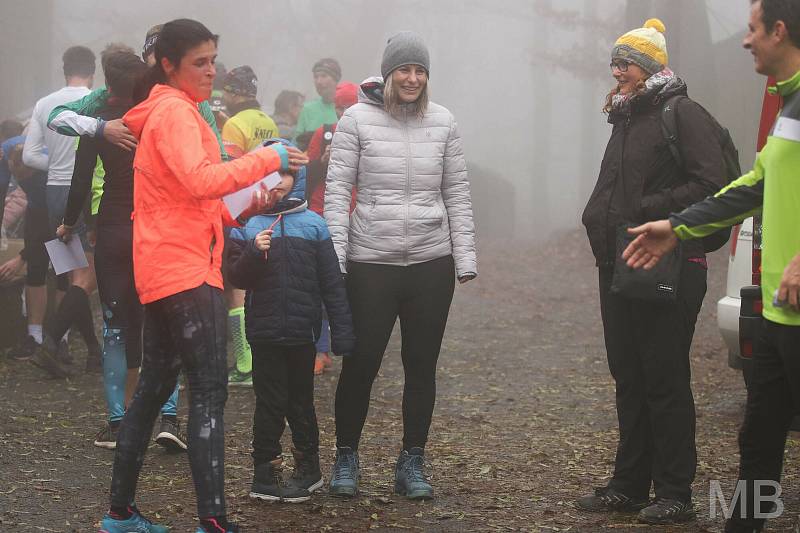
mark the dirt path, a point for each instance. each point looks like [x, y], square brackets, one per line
[524, 423]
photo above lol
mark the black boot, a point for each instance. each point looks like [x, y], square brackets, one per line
[307, 474]
[268, 485]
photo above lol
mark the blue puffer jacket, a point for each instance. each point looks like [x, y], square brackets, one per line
[285, 292]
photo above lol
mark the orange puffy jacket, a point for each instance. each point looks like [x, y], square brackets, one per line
[179, 178]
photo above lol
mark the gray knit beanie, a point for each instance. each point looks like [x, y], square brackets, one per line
[405, 48]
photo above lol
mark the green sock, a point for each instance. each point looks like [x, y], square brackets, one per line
[244, 357]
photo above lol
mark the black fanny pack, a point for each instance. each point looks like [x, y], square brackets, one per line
[660, 284]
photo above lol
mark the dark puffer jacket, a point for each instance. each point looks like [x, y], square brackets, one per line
[285, 292]
[639, 179]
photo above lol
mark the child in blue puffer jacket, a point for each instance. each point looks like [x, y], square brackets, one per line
[285, 260]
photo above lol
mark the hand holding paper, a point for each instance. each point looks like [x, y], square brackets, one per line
[240, 200]
[66, 257]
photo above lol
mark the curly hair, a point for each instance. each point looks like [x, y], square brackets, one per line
[640, 89]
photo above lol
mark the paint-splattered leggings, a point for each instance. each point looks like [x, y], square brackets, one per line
[186, 330]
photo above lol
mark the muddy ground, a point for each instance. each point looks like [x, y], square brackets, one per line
[524, 423]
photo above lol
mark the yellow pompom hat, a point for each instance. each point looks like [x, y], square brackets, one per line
[645, 46]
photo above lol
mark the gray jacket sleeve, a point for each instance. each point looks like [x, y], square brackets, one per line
[457, 201]
[342, 173]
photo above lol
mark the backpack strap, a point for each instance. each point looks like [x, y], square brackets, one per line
[669, 127]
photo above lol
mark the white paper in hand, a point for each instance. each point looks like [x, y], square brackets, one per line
[66, 257]
[240, 200]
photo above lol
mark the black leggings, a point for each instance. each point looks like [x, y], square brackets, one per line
[123, 314]
[192, 326]
[420, 295]
[283, 380]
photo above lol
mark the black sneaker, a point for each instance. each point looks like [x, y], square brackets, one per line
[107, 437]
[25, 350]
[45, 358]
[667, 511]
[169, 435]
[609, 500]
[268, 485]
[63, 354]
[307, 474]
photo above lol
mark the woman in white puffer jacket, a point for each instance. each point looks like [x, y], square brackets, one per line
[410, 236]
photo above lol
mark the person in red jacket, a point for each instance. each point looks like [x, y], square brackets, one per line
[319, 153]
[178, 217]
[319, 149]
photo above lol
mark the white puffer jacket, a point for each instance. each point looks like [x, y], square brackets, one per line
[413, 200]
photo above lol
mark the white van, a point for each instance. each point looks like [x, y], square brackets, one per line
[739, 275]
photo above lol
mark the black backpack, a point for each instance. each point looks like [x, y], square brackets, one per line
[669, 126]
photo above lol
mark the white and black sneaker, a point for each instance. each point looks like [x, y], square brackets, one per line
[107, 437]
[169, 435]
[609, 500]
[269, 485]
[667, 511]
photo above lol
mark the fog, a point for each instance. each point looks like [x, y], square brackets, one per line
[526, 79]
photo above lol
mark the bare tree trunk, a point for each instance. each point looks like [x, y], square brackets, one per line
[542, 126]
[590, 111]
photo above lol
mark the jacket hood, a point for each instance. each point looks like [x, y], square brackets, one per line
[136, 118]
[298, 192]
[371, 91]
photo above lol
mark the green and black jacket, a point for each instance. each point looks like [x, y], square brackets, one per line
[772, 189]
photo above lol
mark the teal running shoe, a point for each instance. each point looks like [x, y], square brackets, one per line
[135, 524]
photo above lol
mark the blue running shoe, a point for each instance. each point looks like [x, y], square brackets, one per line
[135, 524]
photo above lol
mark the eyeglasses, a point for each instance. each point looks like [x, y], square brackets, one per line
[620, 65]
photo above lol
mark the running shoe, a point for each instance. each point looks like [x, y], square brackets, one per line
[239, 379]
[170, 436]
[45, 358]
[135, 524]
[107, 437]
[25, 350]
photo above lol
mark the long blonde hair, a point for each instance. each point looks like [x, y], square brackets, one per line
[395, 107]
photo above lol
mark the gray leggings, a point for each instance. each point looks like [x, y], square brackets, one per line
[192, 326]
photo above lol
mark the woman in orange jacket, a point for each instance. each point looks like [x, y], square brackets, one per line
[179, 180]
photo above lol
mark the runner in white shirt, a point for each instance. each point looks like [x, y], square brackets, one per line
[48, 151]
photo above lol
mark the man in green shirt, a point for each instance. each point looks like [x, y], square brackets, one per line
[319, 111]
[772, 188]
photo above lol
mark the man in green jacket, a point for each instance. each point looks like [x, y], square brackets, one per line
[319, 111]
[772, 188]
[80, 117]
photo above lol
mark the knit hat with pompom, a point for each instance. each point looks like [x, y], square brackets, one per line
[645, 46]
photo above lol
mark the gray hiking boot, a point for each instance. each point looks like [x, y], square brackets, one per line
[409, 475]
[344, 479]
